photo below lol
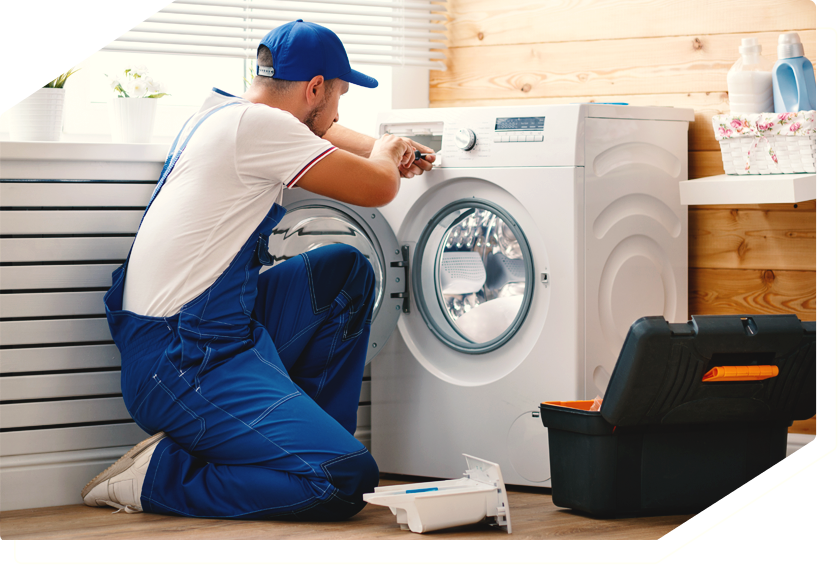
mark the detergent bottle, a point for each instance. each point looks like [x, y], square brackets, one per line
[793, 80]
[750, 80]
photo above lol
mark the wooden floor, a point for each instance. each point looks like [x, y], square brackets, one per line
[533, 515]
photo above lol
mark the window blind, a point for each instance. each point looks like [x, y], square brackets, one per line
[377, 32]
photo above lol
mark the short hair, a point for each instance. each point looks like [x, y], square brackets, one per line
[279, 86]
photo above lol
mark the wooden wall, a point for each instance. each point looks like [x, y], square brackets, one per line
[750, 258]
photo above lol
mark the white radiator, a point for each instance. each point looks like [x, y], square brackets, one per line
[68, 215]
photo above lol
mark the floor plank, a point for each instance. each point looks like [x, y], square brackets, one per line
[533, 514]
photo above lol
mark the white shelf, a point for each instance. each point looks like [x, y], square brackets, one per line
[749, 189]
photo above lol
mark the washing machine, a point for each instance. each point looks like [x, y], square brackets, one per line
[510, 273]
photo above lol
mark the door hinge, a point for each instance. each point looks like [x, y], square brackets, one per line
[406, 300]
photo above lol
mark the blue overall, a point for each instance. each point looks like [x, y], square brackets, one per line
[255, 382]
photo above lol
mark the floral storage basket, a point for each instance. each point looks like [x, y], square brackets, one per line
[766, 143]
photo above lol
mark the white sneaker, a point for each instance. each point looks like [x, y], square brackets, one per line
[121, 484]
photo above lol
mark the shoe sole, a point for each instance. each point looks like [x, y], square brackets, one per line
[125, 462]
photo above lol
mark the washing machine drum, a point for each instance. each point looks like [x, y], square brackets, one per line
[473, 276]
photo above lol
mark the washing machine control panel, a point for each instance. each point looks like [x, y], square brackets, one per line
[496, 137]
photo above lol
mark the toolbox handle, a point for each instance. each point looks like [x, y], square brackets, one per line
[740, 373]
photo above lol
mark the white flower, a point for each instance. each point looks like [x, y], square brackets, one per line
[137, 88]
[136, 84]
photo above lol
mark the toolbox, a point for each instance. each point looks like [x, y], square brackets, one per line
[692, 412]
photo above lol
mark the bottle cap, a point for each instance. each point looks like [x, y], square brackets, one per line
[749, 47]
[789, 46]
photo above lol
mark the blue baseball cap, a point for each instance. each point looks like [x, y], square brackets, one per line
[303, 50]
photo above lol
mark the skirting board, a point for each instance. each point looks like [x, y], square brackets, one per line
[47, 480]
[57, 478]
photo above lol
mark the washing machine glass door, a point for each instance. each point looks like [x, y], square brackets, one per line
[312, 223]
[473, 276]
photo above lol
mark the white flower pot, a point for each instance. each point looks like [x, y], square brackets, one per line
[39, 117]
[132, 119]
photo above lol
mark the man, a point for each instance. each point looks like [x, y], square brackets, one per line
[249, 382]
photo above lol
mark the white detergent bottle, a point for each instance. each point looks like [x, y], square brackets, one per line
[750, 81]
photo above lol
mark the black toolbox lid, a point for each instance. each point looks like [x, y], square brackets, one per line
[658, 375]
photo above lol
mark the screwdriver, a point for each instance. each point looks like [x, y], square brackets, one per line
[419, 155]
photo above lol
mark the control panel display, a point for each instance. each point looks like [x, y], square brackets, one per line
[536, 123]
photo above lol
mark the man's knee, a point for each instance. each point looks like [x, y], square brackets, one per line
[352, 475]
[341, 267]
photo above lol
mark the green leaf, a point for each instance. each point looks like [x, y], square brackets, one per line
[59, 81]
[158, 95]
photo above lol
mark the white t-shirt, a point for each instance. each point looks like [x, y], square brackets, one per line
[231, 172]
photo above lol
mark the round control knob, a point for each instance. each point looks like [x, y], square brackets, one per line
[465, 139]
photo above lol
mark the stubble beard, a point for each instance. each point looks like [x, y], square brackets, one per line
[311, 119]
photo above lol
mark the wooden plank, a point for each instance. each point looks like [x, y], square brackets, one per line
[57, 331]
[493, 22]
[806, 205]
[752, 291]
[55, 276]
[71, 438]
[752, 239]
[59, 358]
[704, 164]
[25, 222]
[45, 386]
[705, 105]
[803, 427]
[18, 305]
[75, 194]
[587, 68]
[16, 415]
[64, 249]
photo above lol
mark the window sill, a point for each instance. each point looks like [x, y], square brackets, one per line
[83, 151]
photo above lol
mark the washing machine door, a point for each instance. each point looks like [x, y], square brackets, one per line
[313, 221]
[473, 275]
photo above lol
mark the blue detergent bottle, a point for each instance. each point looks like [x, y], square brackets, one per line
[793, 80]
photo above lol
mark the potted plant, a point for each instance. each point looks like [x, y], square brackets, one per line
[134, 108]
[40, 116]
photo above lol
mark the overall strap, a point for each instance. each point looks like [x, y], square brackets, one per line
[175, 152]
[174, 155]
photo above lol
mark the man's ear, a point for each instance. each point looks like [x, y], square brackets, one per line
[315, 90]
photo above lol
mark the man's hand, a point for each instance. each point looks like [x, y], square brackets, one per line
[362, 145]
[371, 177]
[418, 167]
[392, 149]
